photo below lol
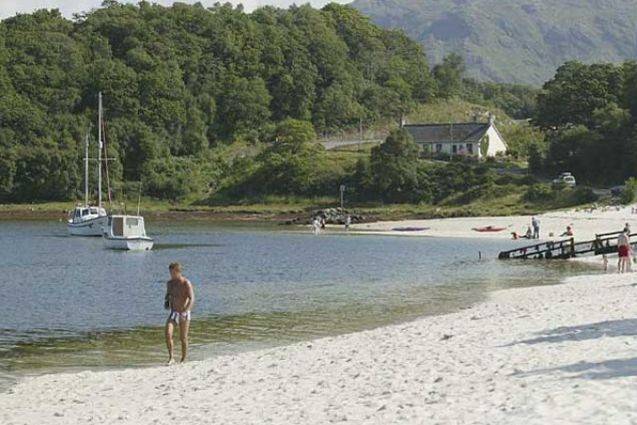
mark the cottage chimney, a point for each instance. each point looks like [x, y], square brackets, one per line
[491, 118]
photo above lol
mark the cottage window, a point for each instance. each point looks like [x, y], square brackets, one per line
[470, 148]
[454, 149]
[438, 147]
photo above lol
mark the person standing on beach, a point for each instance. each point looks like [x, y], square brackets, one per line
[624, 251]
[180, 297]
[536, 227]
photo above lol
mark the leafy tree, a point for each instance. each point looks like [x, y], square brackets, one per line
[630, 191]
[394, 167]
[449, 75]
[182, 82]
[576, 91]
[521, 138]
[243, 105]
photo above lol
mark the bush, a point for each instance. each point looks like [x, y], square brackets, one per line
[515, 179]
[177, 178]
[582, 195]
[539, 193]
[394, 167]
[630, 191]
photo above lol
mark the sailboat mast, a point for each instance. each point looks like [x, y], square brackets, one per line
[86, 170]
[99, 151]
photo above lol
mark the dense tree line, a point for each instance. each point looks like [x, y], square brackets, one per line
[589, 113]
[181, 81]
[518, 101]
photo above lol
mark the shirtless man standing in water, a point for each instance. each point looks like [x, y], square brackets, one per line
[180, 298]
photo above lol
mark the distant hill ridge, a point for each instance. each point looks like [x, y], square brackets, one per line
[519, 41]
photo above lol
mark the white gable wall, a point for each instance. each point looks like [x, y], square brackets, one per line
[496, 143]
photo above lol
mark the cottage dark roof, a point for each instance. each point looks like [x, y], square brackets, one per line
[471, 132]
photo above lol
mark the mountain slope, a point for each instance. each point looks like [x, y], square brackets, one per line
[520, 41]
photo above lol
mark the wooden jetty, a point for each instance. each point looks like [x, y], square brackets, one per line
[604, 243]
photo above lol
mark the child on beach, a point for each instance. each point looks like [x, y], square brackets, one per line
[529, 233]
[568, 232]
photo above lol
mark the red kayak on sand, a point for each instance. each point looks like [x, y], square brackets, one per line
[488, 229]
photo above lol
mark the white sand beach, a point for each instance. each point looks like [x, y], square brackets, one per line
[585, 224]
[564, 354]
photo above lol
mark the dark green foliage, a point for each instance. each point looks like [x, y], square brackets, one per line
[576, 92]
[458, 177]
[394, 168]
[292, 165]
[536, 159]
[181, 177]
[523, 140]
[539, 193]
[588, 112]
[449, 76]
[181, 81]
[518, 101]
[545, 194]
[630, 191]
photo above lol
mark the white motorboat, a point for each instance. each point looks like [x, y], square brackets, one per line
[87, 219]
[128, 233]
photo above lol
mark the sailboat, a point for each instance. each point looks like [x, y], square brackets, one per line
[87, 219]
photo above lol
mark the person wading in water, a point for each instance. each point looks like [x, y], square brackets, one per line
[180, 297]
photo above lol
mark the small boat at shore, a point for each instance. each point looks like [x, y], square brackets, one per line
[127, 233]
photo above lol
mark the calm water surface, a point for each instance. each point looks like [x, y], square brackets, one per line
[69, 303]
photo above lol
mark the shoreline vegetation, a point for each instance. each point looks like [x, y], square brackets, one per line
[283, 211]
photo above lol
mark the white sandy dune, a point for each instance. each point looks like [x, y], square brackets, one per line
[585, 225]
[564, 354]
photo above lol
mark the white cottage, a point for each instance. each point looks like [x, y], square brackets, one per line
[471, 138]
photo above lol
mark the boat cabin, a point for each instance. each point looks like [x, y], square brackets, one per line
[82, 213]
[125, 226]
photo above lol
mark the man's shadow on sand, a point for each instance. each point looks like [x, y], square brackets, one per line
[617, 368]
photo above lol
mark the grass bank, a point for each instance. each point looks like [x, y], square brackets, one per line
[279, 209]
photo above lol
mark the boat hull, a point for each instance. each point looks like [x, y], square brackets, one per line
[92, 227]
[129, 244]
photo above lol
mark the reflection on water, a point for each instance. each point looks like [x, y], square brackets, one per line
[161, 246]
[69, 303]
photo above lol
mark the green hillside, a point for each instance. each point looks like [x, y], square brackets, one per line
[520, 41]
[181, 83]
